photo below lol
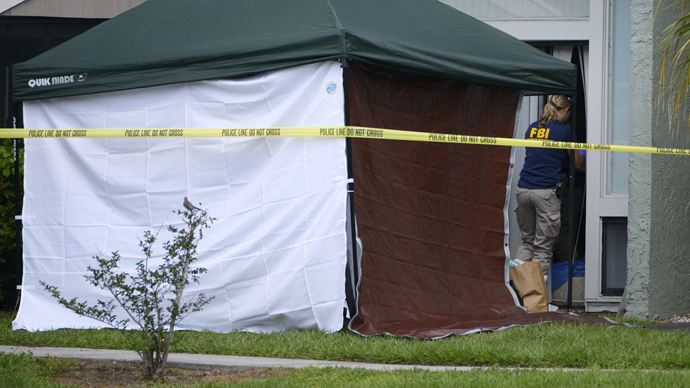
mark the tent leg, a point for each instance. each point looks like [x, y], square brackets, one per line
[18, 216]
[9, 113]
[571, 207]
[352, 268]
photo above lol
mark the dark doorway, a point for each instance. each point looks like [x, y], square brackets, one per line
[21, 38]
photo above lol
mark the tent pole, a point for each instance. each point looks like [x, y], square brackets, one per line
[352, 268]
[571, 204]
[9, 114]
[18, 214]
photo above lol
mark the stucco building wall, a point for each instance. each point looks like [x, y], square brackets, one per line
[659, 202]
[94, 9]
[640, 168]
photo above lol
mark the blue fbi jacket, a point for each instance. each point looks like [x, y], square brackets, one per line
[542, 169]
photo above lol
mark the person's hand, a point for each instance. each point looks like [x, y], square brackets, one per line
[580, 165]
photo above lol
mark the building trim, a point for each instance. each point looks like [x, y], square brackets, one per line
[530, 30]
[7, 4]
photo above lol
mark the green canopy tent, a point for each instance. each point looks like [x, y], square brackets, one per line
[416, 65]
[171, 41]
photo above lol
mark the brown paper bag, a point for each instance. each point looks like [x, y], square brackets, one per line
[530, 285]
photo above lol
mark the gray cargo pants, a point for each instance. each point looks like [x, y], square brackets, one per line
[539, 217]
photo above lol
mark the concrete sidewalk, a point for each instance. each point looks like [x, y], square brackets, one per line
[208, 361]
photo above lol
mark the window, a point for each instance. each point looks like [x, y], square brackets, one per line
[614, 255]
[619, 98]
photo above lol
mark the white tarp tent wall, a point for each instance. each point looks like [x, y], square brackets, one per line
[276, 254]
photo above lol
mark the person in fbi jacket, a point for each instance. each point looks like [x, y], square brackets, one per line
[539, 207]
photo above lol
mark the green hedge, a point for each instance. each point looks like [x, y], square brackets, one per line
[8, 243]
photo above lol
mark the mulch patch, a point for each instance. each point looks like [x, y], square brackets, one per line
[115, 374]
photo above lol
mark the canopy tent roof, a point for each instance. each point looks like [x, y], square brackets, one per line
[171, 41]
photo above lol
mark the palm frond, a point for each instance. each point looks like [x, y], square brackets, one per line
[674, 76]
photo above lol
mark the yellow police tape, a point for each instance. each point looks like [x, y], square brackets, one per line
[349, 131]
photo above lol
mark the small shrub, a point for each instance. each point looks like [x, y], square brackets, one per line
[153, 297]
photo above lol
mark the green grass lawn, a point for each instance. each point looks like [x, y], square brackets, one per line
[23, 371]
[493, 378]
[554, 345]
[641, 357]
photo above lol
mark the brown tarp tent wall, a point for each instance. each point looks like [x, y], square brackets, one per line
[432, 216]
